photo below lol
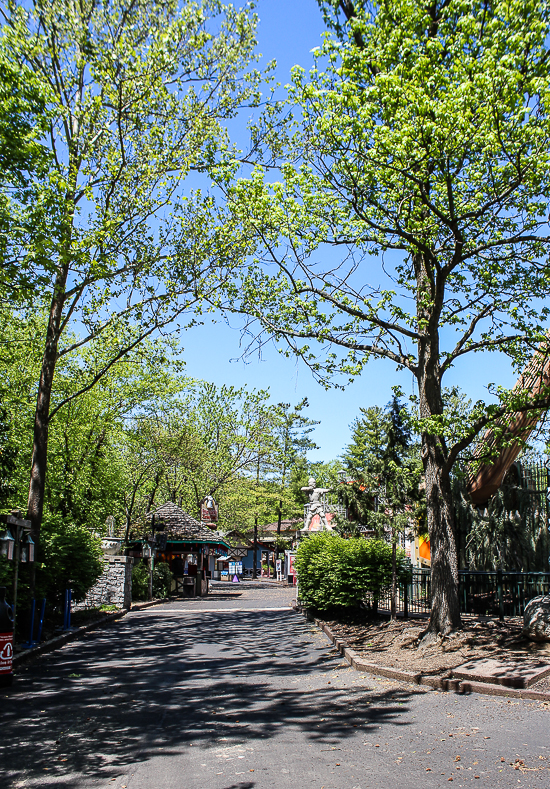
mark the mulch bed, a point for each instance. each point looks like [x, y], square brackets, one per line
[396, 644]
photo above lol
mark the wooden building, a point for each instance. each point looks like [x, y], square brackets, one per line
[188, 547]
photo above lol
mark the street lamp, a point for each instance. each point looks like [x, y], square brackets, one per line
[27, 549]
[21, 548]
[6, 544]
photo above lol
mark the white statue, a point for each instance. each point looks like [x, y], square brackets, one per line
[316, 504]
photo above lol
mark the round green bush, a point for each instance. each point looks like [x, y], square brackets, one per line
[140, 582]
[162, 580]
[337, 573]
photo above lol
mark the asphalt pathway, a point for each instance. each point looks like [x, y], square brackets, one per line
[237, 691]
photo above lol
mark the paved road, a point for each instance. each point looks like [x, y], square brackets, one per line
[239, 692]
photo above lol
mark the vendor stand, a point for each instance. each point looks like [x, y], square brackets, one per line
[189, 548]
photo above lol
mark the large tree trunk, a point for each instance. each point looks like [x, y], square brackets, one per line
[37, 485]
[445, 610]
[39, 462]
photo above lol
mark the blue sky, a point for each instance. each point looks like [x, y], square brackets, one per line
[288, 30]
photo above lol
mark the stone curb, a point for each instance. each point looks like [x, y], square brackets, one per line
[445, 682]
[58, 641]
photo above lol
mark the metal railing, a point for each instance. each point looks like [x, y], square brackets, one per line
[498, 593]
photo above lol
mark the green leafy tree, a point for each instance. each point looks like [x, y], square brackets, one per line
[205, 442]
[385, 469]
[293, 431]
[87, 473]
[24, 160]
[138, 94]
[8, 456]
[140, 582]
[363, 460]
[418, 144]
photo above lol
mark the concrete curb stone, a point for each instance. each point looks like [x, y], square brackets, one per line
[445, 682]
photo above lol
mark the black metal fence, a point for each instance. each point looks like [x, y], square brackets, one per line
[495, 593]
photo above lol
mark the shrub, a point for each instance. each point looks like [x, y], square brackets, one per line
[72, 559]
[140, 582]
[162, 580]
[337, 573]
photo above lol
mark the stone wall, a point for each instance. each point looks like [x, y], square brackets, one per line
[114, 587]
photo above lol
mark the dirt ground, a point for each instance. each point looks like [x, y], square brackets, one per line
[396, 644]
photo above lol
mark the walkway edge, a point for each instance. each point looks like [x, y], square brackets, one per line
[445, 683]
[72, 635]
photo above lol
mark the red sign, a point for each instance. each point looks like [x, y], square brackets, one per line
[291, 570]
[209, 514]
[6, 653]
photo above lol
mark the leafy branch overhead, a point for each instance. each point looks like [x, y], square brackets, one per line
[400, 211]
[136, 96]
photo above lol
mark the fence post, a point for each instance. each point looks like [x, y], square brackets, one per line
[499, 596]
[41, 620]
[406, 600]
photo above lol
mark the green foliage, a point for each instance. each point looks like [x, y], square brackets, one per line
[71, 559]
[204, 440]
[6, 571]
[140, 582]
[88, 473]
[282, 545]
[337, 573]
[162, 580]
[132, 108]
[419, 143]
[345, 528]
[292, 430]
[24, 160]
[385, 469]
[511, 532]
[8, 456]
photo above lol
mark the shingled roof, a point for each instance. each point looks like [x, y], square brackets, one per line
[180, 525]
[286, 525]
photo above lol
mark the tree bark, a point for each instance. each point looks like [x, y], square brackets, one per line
[445, 608]
[35, 505]
[37, 484]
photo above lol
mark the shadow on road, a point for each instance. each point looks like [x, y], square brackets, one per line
[193, 680]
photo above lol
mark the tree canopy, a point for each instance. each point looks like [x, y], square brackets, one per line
[137, 97]
[401, 212]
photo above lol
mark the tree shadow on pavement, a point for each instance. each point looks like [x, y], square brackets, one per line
[161, 684]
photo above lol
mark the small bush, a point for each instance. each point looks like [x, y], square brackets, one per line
[140, 582]
[337, 573]
[72, 559]
[162, 580]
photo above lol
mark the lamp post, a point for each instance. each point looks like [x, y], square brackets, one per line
[20, 547]
[6, 544]
[147, 553]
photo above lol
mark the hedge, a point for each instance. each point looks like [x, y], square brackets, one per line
[334, 572]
